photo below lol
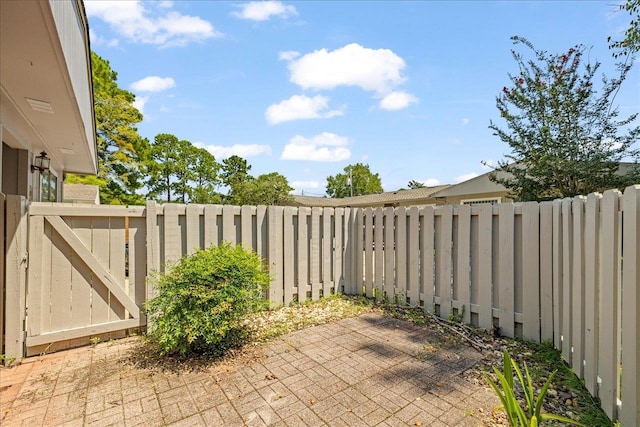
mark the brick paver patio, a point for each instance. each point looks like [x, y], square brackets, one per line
[364, 371]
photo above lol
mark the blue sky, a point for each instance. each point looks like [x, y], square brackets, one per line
[306, 88]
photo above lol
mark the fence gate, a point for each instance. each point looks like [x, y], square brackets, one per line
[86, 273]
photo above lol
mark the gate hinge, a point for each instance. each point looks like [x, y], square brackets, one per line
[25, 260]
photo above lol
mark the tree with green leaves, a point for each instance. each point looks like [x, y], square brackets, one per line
[205, 170]
[267, 189]
[234, 173]
[631, 42]
[565, 135]
[413, 184]
[169, 172]
[356, 180]
[121, 150]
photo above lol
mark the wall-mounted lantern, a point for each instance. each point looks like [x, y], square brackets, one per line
[41, 163]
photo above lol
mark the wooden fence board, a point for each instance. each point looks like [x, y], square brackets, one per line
[193, 228]
[546, 272]
[463, 263]
[557, 274]
[100, 294]
[577, 285]
[276, 217]
[531, 271]
[567, 280]
[401, 255]
[427, 257]
[117, 264]
[172, 236]
[358, 235]
[413, 246]
[211, 213]
[327, 251]
[247, 214]
[485, 277]
[506, 246]
[369, 264]
[228, 224]
[630, 413]
[38, 299]
[378, 238]
[444, 249]
[315, 253]
[389, 254]
[81, 276]
[591, 291]
[289, 255]
[608, 345]
[303, 253]
[338, 274]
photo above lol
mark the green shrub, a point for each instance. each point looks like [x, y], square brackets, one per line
[201, 299]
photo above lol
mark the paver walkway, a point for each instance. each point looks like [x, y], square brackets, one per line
[365, 371]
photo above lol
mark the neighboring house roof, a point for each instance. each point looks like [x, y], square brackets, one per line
[80, 193]
[416, 196]
[478, 185]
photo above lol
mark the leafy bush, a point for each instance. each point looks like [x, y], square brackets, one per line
[201, 300]
[531, 415]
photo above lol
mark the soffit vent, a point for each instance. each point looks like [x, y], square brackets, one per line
[41, 106]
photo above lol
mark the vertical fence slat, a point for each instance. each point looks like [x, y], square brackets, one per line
[567, 274]
[608, 338]
[427, 257]
[16, 264]
[193, 229]
[303, 253]
[368, 251]
[172, 235]
[485, 277]
[100, 310]
[275, 216]
[463, 256]
[379, 252]
[557, 274]
[389, 254]
[211, 213]
[116, 263]
[246, 226]
[577, 291]
[327, 243]
[359, 248]
[289, 259]
[38, 276]
[401, 255]
[228, 224]
[530, 271]
[338, 273]
[443, 285]
[630, 412]
[413, 242]
[138, 262]
[591, 291]
[506, 268]
[262, 232]
[315, 253]
[546, 271]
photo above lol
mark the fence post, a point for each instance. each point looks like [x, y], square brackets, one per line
[16, 276]
[630, 412]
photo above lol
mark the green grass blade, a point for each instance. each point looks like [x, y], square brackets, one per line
[543, 392]
[545, 417]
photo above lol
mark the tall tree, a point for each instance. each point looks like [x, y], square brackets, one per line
[205, 170]
[169, 172]
[565, 136]
[267, 189]
[234, 172]
[356, 180]
[121, 150]
[631, 42]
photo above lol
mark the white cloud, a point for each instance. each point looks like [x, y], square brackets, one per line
[376, 70]
[264, 10]
[432, 182]
[397, 100]
[288, 55]
[249, 150]
[325, 147]
[153, 84]
[466, 177]
[151, 22]
[96, 40]
[300, 107]
[465, 121]
[140, 102]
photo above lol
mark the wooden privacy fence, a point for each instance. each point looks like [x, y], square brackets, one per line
[564, 271]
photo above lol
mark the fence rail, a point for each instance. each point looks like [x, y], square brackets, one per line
[550, 271]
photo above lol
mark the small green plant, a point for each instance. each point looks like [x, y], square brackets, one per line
[95, 341]
[453, 317]
[531, 415]
[201, 300]
[6, 360]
